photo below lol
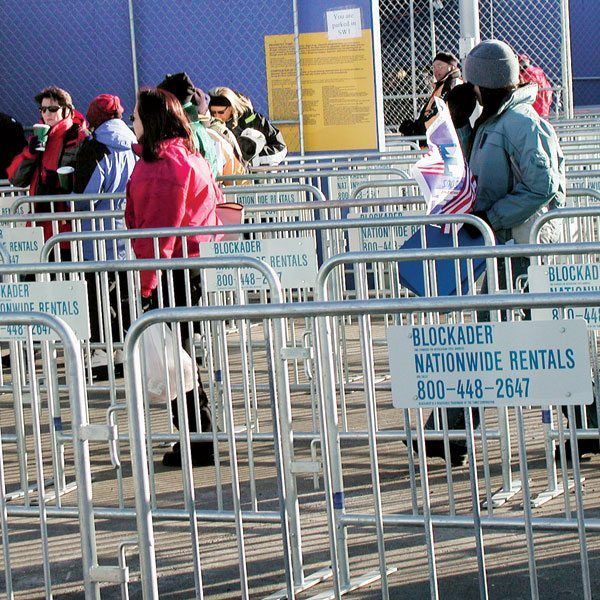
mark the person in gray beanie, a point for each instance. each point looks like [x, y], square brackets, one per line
[520, 171]
[514, 155]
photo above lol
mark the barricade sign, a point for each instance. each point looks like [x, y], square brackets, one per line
[341, 187]
[584, 277]
[23, 244]
[267, 197]
[293, 259]
[381, 237]
[64, 299]
[6, 203]
[490, 364]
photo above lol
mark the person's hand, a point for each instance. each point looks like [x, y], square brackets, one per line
[33, 144]
[472, 230]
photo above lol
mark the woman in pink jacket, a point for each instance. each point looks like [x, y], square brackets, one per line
[171, 186]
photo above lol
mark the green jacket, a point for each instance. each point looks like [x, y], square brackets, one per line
[205, 145]
[519, 167]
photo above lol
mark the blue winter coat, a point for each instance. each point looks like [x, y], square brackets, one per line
[103, 165]
[519, 166]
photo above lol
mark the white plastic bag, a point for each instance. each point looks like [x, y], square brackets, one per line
[158, 358]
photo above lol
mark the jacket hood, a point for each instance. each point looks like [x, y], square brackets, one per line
[525, 94]
[115, 134]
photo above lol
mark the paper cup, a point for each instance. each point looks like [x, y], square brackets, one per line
[41, 133]
[65, 178]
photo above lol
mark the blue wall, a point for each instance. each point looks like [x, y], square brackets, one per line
[84, 47]
[585, 28]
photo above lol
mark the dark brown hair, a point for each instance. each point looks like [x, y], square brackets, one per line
[60, 96]
[163, 118]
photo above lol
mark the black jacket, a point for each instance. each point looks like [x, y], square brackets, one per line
[13, 141]
[441, 90]
[275, 149]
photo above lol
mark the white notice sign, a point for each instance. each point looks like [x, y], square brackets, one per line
[6, 203]
[343, 24]
[64, 299]
[381, 237]
[293, 259]
[23, 244]
[490, 364]
[269, 198]
[566, 278]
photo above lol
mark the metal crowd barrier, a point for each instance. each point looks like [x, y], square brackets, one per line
[37, 504]
[334, 184]
[369, 444]
[378, 513]
[106, 426]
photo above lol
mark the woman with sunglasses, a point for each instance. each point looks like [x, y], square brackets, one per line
[171, 186]
[36, 165]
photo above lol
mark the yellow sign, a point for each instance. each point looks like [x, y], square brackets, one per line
[338, 90]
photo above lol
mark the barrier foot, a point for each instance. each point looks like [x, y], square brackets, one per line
[309, 581]
[32, 489]
[355, 584]
[502, 496]
[548, 495]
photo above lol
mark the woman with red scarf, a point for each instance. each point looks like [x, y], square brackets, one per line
[36, 166]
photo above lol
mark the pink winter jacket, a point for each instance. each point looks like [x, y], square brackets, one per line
[177, 190]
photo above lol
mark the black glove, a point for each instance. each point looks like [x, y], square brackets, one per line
[472, 230]
[33, 144]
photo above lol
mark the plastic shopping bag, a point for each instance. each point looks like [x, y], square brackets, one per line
[158, 358]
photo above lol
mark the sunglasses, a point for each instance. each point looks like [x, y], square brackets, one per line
[132, 118]
[52, 109]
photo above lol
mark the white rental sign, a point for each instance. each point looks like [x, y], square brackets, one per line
[271, 198]
[584, 277]
[293, 259]
[381, 237]
[23, 244]
[490, 364]
[64, 299]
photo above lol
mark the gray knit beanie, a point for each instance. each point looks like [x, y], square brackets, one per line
[492, 64]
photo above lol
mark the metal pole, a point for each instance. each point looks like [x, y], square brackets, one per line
[565, 51]
[413, 64]
[469, 26]
[134, 64]
[298, 76]
[378, 74]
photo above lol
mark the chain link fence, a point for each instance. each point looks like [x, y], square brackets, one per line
[412, 31]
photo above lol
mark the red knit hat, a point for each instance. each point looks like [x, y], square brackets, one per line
[103, 108]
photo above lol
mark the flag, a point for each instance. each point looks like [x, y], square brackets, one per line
[445, 179]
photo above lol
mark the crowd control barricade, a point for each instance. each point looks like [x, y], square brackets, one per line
[577, 271]
[109, 429]
[398, 161]
[298, 282]
[29, 513]
[287, 515]
[431, 513]
[335, 185]
[398, 532]
[333, 157]
[10, 191]
[252, 196]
